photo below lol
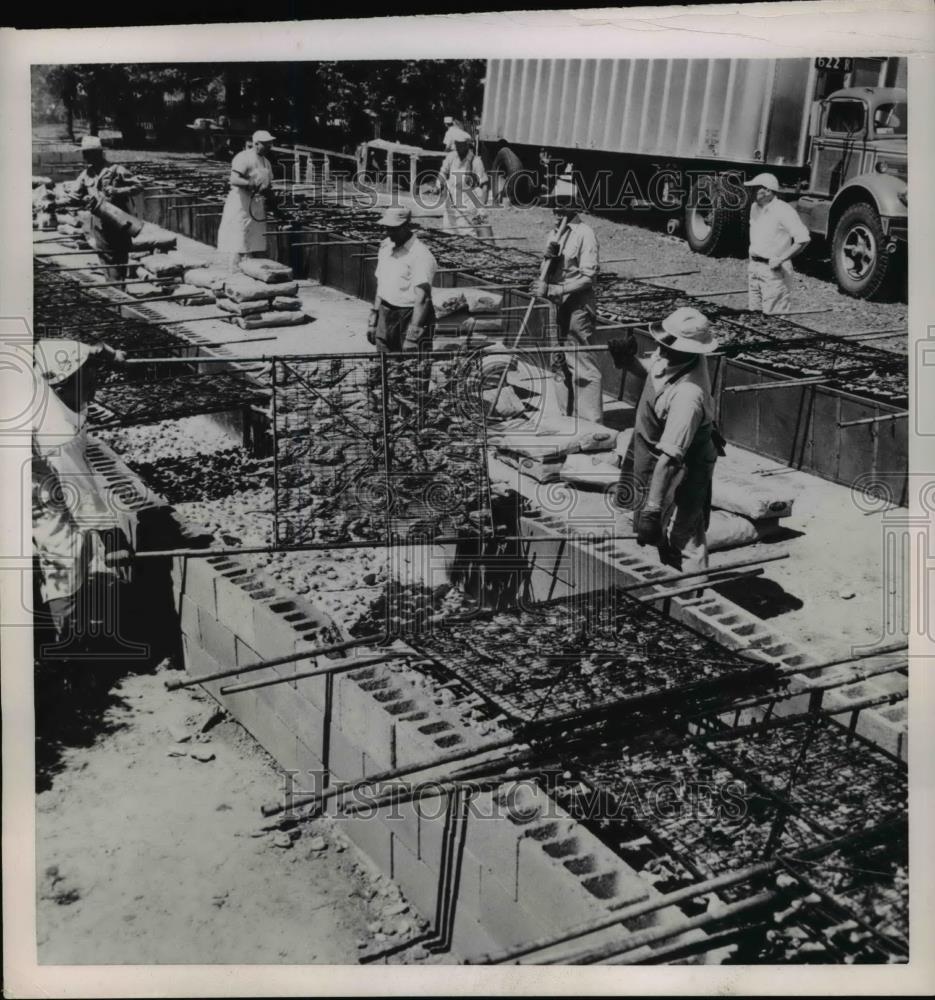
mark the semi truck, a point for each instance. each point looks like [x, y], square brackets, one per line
[684, 134]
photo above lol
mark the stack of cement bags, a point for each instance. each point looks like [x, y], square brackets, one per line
[264, 295]
[539, 447]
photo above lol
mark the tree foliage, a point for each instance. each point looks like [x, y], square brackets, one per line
[318, 102]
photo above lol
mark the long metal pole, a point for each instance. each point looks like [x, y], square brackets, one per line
[787, 384]
[881, 418]
[702, 572]
[341, 667]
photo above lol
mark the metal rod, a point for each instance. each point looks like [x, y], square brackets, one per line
[249, 668]
[803, 312]
[703, 572]
[207, 215]
[335, 243]
[87, 286]
[666, 274]
[716, 582]
[331, 668]
[787, 384]
[896, 647]
[619, 260]
[726, 291]
[879, 419]
[868, 334]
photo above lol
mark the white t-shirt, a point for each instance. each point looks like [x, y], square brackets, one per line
[400, 270]
[774, 228]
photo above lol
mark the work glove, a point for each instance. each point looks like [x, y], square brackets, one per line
[413, 338]
[372, 327]
[552, 251]
[648, 525]
[623, 349]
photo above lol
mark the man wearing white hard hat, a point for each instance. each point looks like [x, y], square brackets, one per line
[242, 232]
[571, 249]
[402, 316]
[465, 180]
[777, 234]
[101, 182]
[675, 442]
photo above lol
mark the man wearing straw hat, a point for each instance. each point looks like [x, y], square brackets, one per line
[675, 442]
[572, 246]
[462, 170]
[777, 234]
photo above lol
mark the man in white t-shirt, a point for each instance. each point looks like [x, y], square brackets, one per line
[402, 316]
[777, 234]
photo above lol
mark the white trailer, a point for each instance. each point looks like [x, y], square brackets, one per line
[832, 129]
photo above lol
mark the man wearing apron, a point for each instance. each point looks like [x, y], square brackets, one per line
[571, 287]
[461, 172]
[675, 442]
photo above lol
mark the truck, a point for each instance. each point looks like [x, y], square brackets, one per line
[684, 134]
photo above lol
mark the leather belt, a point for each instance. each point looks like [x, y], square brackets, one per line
[759, 260]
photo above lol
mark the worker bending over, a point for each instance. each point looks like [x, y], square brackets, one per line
[572, 249]
[402, 317]
[777, 234]
[80, 540]
[98, 186]
[675, 442]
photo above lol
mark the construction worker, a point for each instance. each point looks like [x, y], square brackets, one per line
[242, 232]
[99, 186]
[572, 249]
[402, 317]
[675, 442]
[451, 127]
[461, 171]
[80, 539]
[777, 234]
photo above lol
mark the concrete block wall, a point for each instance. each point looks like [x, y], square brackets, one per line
[524, 873]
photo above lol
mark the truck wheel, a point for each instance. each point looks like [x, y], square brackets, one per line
[510, 179]
[709, 226]
[858, 252]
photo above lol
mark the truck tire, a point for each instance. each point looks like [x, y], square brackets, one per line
[509, 178]
[858, 252]
[710, 227]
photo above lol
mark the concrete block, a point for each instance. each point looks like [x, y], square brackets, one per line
[417, 880]
[311, 771]
[234, 604]
[344, 758]
[544, 884]
[188, 619]
[273, 635]
[887, 728]
[432, 810]
[313, 689]
[199, 584]
[217, 639]
[273, 734]
[372, 837]
[509, 921]
[363, 719]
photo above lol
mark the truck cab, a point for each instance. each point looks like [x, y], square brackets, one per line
[856, 191]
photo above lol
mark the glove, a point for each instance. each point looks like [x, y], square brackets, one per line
[413, 338]
[648, 524]
[623, 349]
[552, 251]
[372, 327]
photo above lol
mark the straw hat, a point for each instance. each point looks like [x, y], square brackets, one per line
[459, 135]
[685, 330]
[261, 135]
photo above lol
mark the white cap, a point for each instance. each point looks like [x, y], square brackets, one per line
[685, 330]
[397, 216]
[261, 135]
[763, 181]
[459, 135]
[565, 190]
[90, 142]
[448, 120]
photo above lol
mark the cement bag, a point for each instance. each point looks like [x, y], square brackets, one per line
[558, 436]
[268, 271]
[473, 327]
[189, 261]
[730, 531]
[243, 288]
[145, 291]
[447, 301]
[69, 230]
[480, 300]
[162, 266]
[598, 468]
[153, 237]
[241, 308]
[283, 304]
[271, 319]
[42, 182]
[192, 296]
[540, 469]
[204, 277]
[744, 495]
[508, 403]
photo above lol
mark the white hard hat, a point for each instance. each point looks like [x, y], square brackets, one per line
[685, 330]
[763, 181]
[90, 142]
[261, 135]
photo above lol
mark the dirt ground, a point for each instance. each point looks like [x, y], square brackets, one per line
[146, 854]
